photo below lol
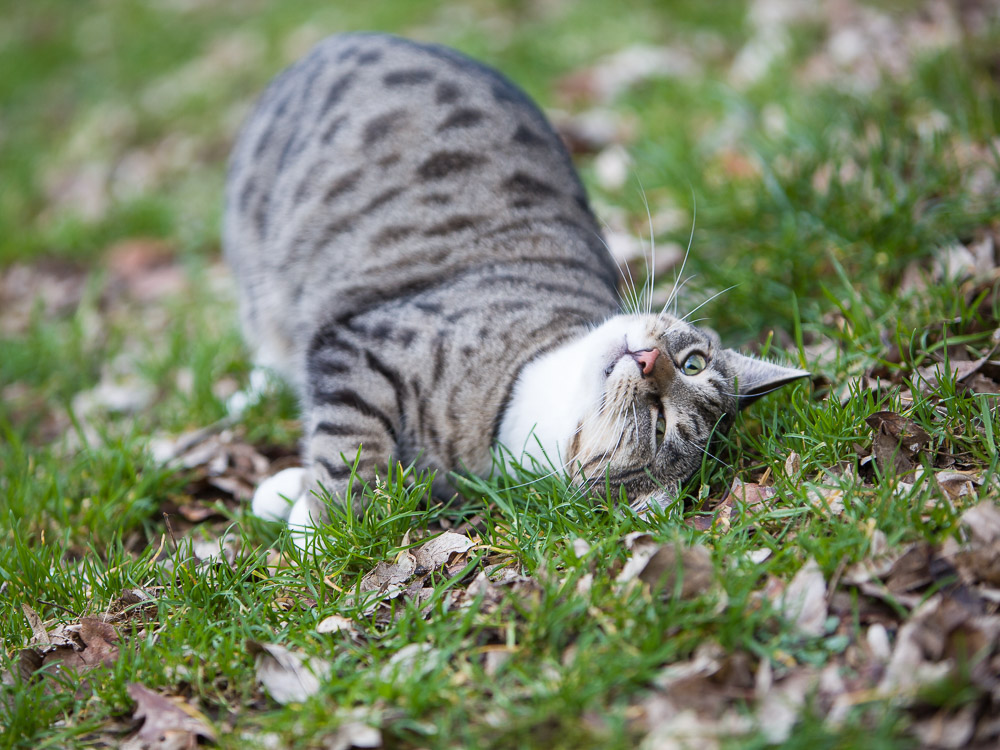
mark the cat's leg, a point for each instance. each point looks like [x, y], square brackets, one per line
[351, 426]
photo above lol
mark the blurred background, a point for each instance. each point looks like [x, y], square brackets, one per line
[825, 154]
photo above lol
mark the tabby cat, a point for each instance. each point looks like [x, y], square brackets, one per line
[415, 252]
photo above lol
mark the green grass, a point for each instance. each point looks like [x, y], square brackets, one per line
[814, 223]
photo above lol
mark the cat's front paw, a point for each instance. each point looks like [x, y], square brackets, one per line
[275, 496]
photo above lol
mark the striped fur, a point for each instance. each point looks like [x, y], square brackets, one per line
[408, 234]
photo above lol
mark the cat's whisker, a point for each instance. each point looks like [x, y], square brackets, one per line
[651, 270]
[708, 453]
[541, 478]
[678, 289]
[714, 296]
[606, 457]
[633, 294]
[687, 252]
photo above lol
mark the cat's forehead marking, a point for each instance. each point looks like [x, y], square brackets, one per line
[679, 338]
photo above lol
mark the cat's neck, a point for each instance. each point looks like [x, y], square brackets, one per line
[554, 391]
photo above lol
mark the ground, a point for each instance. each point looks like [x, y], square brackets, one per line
[830, 578]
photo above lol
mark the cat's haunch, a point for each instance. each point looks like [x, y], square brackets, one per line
[415, 252]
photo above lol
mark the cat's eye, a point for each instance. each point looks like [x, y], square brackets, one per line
[694, 364]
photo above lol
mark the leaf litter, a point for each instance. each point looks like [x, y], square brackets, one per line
[699, 699]
[167, 723]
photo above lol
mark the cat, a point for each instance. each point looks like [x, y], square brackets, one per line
[415, 253]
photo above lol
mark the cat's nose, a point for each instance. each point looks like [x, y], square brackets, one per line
[646, 359]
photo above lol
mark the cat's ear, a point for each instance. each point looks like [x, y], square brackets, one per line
[755, 377]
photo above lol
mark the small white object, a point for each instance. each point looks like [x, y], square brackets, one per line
[274, 496]
[301, 523]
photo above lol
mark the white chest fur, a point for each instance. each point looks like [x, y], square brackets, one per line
[553, 393]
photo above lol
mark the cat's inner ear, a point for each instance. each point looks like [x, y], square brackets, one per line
[755, 377]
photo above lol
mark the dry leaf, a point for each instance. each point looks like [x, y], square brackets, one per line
[660, 566]
[958, 370]
[983, 522]
[828, 500]
[909, 667]
[804, 600]
[353, 734]
[390, 577]
[754, 497]
[959, 484]
[40, 634]
[145, 269]
[166, 723]
[896, 442]
[411, 658]
[336, 624]
[288, 676]
[779, 705]
[793, 464]
[617, 72]
[434, 553]
[946, 729]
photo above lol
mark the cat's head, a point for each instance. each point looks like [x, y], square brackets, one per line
[654, 390]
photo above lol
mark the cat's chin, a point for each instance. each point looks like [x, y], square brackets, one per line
[554, 393]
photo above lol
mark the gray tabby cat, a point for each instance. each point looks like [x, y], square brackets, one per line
[415, 252]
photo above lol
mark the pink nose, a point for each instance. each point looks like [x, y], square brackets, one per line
[646, 359]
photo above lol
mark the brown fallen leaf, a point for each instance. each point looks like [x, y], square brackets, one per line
[288, 676]
[100, 640]
[906, 432]
[702, 683]
[662, 566]
[896, 442]
[793, 465]
[491, 592]
[56, 286]
[912, 570]
[75, 648]
[754, 498]
[218, 459]
[931, 376]
[166, 723]
[390, 577]
[959, 484]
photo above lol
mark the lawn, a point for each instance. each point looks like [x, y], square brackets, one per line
[831, 576]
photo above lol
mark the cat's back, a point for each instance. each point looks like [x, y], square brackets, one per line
[377, 168]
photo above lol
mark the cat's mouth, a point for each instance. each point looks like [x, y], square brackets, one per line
[657, 427]
[659, 430]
